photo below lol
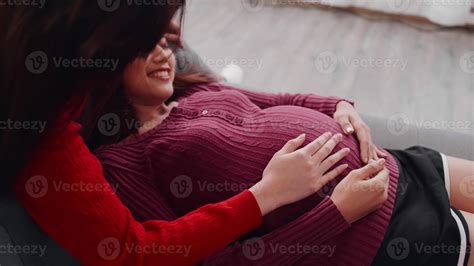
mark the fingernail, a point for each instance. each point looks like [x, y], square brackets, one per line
[328, 134]
[338, 136]
[302, 136]
[381, 161]
[349, 129]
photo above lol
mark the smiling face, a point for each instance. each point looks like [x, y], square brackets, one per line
[148, 80]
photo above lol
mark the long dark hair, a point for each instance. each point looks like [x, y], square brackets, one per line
[66, 29]
[117, 111]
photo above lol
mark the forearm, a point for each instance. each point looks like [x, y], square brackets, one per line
[324, 104]
[266, 201]
[310, 231]
[113, 236]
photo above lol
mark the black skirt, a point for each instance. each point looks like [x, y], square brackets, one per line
[424, 228]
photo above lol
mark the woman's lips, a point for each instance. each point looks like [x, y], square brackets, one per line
[162, 74]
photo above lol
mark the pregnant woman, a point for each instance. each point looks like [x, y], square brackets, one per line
[61, 184]
[174, 151]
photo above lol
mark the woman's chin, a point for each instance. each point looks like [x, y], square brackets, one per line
[169, 88]
[164, 87]
[166, 92]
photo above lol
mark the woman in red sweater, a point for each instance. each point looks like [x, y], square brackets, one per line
[52, 58]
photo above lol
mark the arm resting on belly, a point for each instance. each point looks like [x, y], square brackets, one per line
[74, 204]
[323, 104]
[311, 229]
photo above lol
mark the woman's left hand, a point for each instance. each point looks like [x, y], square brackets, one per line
[351, 122]
[173, 34]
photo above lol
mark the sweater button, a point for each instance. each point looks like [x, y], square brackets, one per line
[195, 113]
[239, 120]
[174, 110]
[204, 112]
[229, 116]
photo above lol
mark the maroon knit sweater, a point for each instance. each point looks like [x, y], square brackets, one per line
[215, 144]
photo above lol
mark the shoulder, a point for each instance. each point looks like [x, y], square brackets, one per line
[61, 158]
[62, 152]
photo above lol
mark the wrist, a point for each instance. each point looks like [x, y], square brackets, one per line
[344, 103]
[346, 213]
[266, 202]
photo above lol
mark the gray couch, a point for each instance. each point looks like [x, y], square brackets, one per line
[17, 229]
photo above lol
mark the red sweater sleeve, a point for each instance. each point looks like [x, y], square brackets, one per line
[65, 192]
[309, 231]
[324, 104]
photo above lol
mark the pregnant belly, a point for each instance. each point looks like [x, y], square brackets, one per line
[243, 154]
[286, 122]
[279, 124]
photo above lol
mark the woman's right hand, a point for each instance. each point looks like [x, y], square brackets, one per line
[292, 174]
[358, 194]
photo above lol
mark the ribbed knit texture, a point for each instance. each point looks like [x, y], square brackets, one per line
[215, 144]
[65, 192]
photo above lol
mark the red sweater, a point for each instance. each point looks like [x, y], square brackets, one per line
[65, 192]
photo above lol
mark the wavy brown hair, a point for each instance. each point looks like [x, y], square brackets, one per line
[123, 113]
[68, 29]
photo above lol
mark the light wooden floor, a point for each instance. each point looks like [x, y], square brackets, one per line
[298, 49]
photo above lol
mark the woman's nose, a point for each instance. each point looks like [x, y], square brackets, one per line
[161, 54]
